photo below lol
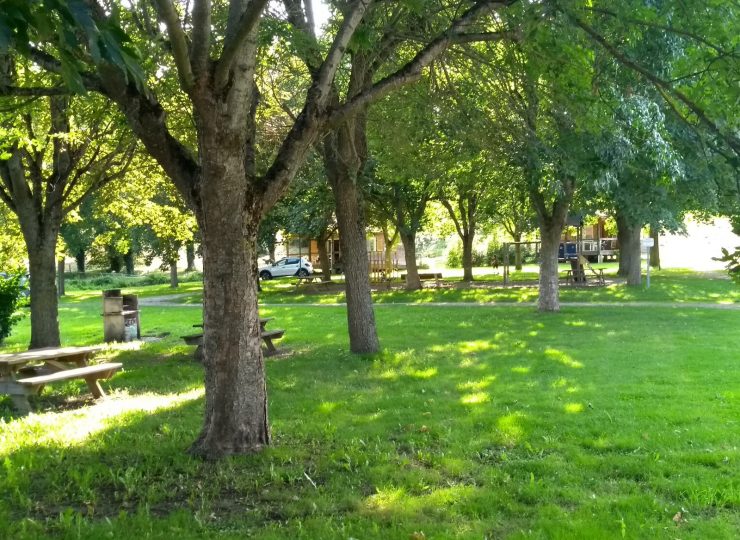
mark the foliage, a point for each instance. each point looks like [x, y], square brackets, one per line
[97, 282]
[12, 248]
[733, 263]
[11, 293]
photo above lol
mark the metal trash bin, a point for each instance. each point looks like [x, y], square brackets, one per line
[120, 316]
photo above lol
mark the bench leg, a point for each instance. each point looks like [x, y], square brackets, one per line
[21, 403]
[270, 347]
[198, 354]
[95, 389]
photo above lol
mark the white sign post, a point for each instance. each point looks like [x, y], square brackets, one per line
[646, 244]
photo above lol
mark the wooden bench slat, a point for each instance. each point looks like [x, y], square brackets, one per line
[273, 334]
[47, 353]
[105, 369]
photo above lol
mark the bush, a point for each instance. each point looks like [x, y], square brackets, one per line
[11, 293]
[83, 282]
[454, 257]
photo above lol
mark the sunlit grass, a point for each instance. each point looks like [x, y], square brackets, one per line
[677, 286]
[596, 422]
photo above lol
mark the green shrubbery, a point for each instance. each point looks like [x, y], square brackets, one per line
[11, 293]
[86, 282]
[493, 250]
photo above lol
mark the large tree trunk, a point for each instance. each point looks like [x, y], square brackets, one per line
[549, 291]
[655, 250]
[190, 256]
[80, 260]
[115, 261]
[323, 258]
[344, 155]
[408, 240]
[174, 283]
[363, 336]
[129, 262]
[467, 257]
[44, 302]
[628, 236]
[236, 395]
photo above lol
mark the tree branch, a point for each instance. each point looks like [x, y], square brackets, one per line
[178, 41]
[201, 37]
[412, 70]
[246, 25]
[33, 91]
[325, 77]
[731, 140]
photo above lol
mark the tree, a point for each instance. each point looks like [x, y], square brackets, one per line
[214, 58]
[510, 206]
[57, 153]
[403, 130]
[308, 210]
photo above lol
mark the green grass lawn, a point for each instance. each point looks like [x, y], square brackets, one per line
[472, 423]
[677, 286]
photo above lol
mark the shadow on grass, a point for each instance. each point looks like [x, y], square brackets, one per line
[470, 423]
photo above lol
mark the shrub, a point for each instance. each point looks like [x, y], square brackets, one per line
[454, 257]
[11, 292]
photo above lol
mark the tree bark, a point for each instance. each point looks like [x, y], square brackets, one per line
[344, 153]
[413, 282]
[173, 274]
[549, 290]
[44, 301]
[236, 395]
[190, 256]
[80, 261]
[655, 250]
[363, 336]
[467, 256]
[323, 258]
[628, 236]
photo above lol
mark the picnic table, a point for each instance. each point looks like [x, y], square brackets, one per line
[267, 338]
[314, 279]
[26, 373]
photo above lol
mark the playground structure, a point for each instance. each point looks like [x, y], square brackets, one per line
[517, 246]
[580, 252]
[380, 270]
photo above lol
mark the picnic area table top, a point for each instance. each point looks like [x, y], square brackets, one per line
[46, 353]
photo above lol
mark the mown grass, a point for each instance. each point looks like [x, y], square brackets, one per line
[677, 286]
[473, 423]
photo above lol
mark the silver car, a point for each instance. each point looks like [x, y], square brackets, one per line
[287, 266]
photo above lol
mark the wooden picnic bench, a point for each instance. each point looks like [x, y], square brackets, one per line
[26, 373]
[428, 276]
[313, 279]
[267, 338]
[580, 277]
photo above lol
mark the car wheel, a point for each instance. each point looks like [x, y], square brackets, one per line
[265, 274]
[302, 272]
